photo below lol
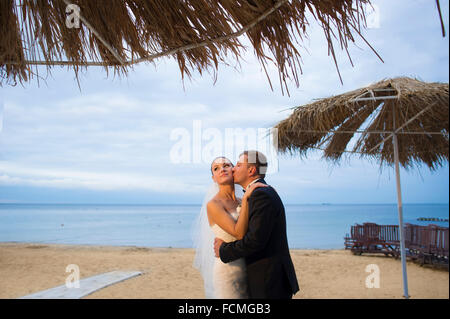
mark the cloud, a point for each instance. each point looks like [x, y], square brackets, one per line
[13, 174]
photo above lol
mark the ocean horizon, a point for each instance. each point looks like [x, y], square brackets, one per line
[309, 226]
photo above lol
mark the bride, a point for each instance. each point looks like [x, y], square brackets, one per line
[225, 216]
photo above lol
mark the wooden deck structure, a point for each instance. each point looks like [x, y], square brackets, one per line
[427, 244]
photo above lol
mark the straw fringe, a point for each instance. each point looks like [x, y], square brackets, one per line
[199, 34]
[333, 117]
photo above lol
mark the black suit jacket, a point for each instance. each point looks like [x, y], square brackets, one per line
[270, 271]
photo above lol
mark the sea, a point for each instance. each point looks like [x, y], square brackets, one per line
[322, 226]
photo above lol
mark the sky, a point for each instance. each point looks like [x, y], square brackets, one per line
[148, 138]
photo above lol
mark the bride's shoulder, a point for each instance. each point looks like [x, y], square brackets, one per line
[213, 203]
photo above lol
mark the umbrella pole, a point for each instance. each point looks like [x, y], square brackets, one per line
[400, 218]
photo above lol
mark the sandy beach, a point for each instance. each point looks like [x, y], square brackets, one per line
[168, 272]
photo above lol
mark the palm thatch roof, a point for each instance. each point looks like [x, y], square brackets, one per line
[197, 33]
[417, 111]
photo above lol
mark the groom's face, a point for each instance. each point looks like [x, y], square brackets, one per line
[240, 171]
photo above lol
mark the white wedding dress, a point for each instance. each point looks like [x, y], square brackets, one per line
[230, 279]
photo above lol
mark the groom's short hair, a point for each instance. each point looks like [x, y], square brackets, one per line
[258, 159]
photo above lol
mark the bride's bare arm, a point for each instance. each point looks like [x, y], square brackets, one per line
[218, 215]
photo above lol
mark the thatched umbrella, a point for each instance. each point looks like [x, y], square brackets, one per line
[400, 121]
[118, 34]
[197, 33]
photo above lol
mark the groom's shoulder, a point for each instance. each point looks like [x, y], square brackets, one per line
[264, 191]
[269, 191]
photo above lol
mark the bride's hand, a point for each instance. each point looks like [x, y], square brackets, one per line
[252, 187]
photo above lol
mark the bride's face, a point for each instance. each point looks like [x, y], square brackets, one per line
[222, 171]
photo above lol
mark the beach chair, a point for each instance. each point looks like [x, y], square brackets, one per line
[373, 238]
[427, 244]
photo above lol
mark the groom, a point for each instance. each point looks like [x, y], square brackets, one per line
[270, 272]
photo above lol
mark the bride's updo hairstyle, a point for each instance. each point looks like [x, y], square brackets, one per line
[226, 159]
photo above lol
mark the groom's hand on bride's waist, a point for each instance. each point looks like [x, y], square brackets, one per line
[217, 243]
